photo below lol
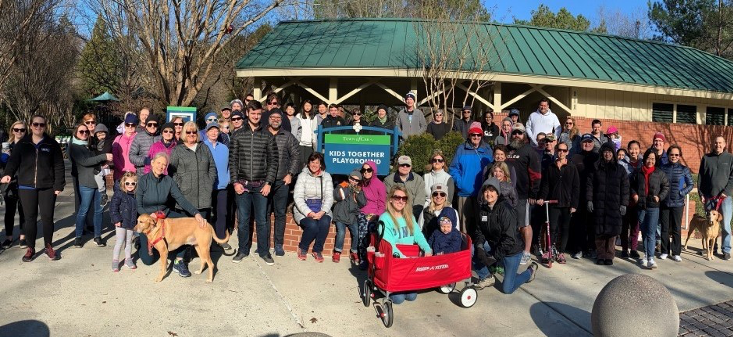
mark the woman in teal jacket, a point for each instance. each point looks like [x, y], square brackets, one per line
[400, 227]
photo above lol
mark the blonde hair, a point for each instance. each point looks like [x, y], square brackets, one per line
[406, 212]
[504, 167]
[125, 177]
[189, 124]
[12, 134]
[574, 131]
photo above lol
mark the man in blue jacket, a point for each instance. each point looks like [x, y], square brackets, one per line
[469, 161]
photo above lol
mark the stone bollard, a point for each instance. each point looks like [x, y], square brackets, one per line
[635, 304]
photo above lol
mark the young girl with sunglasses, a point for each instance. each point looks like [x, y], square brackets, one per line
[123, 213]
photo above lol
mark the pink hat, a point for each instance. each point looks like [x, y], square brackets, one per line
[660, 136]
[611, 130]
[475, 128]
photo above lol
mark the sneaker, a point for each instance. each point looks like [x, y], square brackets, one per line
[279, 251]
[268, 260]
[578, 255]
[526, 257]
[115, 266]
[354, 258]
[677, 258]
[600, 261]
[561, 258]
[318, 256]
[225, 246]
[105, 200]
[99, 242]
[635, 254]
[726, 256]
[663, 256]
[238, 258]
[651, 264]
[644, 263]
[7, 243]
[181, 268]
[487, 282]
[302, 255]
[336, 258]
[624, 254]
[79, 244]
[130, 264]
[28, 257]
[22, 244]
[533, 270]
[608, 262]
[51, 253]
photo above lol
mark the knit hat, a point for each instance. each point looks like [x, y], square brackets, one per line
[611, 130]
[404, 160]
[660, 136]
[475, 128]
[209, 115]
[449, 214]
[513, 112]
[131, 119]
[153, 118]
[507, 119]
[168, 125]
[100, 128]
[356, 174]
[586, 137]
[276, 111]
[438, 187]
[410, 94]
[467, 107]
[518, 126]
[236, 113]
[382, 106]
[491, 182]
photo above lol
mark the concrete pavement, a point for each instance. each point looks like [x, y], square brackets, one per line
[79, 295]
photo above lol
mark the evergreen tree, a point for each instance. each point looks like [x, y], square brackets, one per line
[100, 65]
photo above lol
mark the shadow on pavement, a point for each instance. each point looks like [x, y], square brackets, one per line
[551, 327]
[720, 277]
[25, 328]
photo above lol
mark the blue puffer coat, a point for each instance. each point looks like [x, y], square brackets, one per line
[467, 165]
[123, 209]
[680, 183]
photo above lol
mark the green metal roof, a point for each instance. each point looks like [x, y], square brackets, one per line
[516, 49]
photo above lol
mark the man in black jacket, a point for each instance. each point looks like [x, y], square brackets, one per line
[716, 183]
[288, 167]
[253, 161]
[333, 119]
[582, 229]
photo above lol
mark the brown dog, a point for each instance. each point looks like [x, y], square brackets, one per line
[169, 234]
[709, 227]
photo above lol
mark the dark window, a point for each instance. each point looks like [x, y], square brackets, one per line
[686, 114]
[730, 116]
[715, 116]
[662, 112]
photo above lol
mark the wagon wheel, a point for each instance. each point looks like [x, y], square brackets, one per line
[447, 289]
[468, 297]
[367, 295]
[387, 314]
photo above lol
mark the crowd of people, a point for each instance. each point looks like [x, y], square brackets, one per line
[242, 166]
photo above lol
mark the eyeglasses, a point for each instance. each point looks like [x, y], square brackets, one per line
[475, 135]
[402, 198]
[178, 124]
[236, 119]
[275, 117]
[405, 165]
[83, 132]
[437, 160]
[152, 125]
[168, 131]
[130, 125]
[38, 125]
[18, 130]
[439, 194]
[190, 132]
[130, 183]
[562, 150]
[89, 122]
[367, 170]
[673, 154]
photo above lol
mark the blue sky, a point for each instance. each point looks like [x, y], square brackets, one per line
[505, 11]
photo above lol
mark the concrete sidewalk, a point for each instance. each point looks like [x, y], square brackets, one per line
[80, 296]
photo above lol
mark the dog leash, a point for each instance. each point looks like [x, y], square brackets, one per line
[718, 201]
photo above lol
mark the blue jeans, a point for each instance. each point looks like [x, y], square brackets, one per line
[89, 197]
[401, 297]
[512, 280]
[341, 234]
[482, 271]
[726, 207]
[314, 230]
[649, 218]
[245, 201]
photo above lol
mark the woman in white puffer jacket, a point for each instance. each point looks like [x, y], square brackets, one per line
[313, 197]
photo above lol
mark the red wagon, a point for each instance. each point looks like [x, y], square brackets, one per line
[388, 274]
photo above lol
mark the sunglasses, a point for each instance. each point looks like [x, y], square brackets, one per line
[152, 125]
[475, 135]
[168, 131]
[271, 103]
[38, 125]
[190, 132]
[518, 132]
[562, 150]
[367, 170]
[84, 132]
[18, 130]
[357, 114]
[178, 124]
[568, 123]
[673, 154]
[354, 179]
[130, 125]
[438, 115]
[437, 160]
[399, 198]
[236, 119]
[405, 165]
[89, 122]
[130, 183]
[439, 194]
[211, 120]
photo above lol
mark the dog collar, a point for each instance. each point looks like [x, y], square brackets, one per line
[161, 237]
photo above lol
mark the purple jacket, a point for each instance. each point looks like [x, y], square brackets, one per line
[375, 192]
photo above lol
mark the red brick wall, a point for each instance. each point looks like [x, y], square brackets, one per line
[293, 232]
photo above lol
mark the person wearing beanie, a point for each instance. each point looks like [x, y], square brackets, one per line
[543, 120]
[438, 128]
[348, 199]
[121, 147]
[658, 142]
[104, 145]
[382, 119]
[140, 147]
[464, 123]
[467, 166]
[514, 116]
[238, 120]
[497, 239]
[411, 120]
[447, 239]
[613, 136]
[505, 132]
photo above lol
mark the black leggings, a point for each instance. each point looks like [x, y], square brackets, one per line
[560, 227]
[671, 219]
[32, 201]
[11, 205]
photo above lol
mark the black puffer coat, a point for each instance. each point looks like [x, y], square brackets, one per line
[608, 187]
[658, 186]
[253, 155]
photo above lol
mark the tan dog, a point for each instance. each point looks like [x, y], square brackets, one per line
[169, 234]
[709, 227]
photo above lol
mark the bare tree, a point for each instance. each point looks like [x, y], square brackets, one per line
[634, 24]
[179, 40]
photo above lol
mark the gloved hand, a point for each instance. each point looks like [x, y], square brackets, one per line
[623, 210]
[485, 258]
[590, 206]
